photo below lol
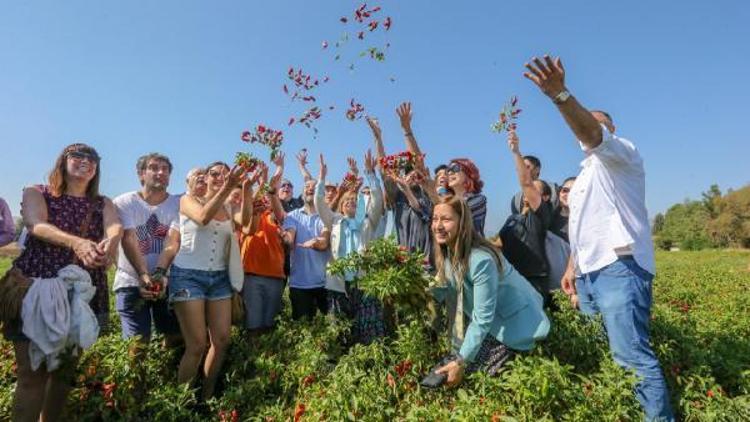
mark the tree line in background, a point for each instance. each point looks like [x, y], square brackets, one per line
[715, 221]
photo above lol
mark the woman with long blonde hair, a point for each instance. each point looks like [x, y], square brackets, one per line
[492, 310]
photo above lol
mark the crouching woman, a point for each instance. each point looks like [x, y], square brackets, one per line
[492, 310]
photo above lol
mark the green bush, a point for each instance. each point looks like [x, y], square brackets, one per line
[700, 332]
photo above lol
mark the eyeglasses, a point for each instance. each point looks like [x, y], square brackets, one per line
[80, 156]
[564, 190]
[454, 168]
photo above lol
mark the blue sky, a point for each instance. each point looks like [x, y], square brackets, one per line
[186, 77]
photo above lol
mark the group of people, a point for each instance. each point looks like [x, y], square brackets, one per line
[182, 260]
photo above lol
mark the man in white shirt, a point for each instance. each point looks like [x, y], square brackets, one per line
[610, 239]
[141, 277]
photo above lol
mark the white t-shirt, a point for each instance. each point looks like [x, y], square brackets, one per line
[151, 224]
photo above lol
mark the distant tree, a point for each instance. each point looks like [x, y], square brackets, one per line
[731, 225]
[685, 225]
[712, 199]
[658, 224]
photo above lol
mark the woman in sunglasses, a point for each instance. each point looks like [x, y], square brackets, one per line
[69, 222]
[464, 179]
[559, 225]
[200, 288]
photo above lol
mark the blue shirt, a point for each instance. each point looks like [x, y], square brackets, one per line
[308, 266]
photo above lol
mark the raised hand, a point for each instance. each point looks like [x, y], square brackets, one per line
[547, 74]
[323, 170]
[278, 160]
[370, 162]
[374, 127]
[352, 165]
[275, 182]
[404, 116]
[236, 175]
[513, 142]
[302, 157]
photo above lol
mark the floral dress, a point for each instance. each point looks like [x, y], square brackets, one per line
[44, 259]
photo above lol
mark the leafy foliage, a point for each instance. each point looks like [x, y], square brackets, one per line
[700, 332]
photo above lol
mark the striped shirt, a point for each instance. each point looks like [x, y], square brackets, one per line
[478, 205]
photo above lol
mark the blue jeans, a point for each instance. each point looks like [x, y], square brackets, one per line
[136, 314]
[621, 292]
[262, 296]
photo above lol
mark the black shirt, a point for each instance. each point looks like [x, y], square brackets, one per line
[559, 224]
[293, 204]
[523, 239]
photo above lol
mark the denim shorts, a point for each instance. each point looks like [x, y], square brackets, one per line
[187, 284]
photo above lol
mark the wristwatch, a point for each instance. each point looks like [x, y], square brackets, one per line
[561, 97]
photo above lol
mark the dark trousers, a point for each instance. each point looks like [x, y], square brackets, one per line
[307, 302]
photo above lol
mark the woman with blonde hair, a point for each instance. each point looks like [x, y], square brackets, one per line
[200, 288]
[492, 310]
[351, 233]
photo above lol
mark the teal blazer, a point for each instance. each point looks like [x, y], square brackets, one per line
[503, 305]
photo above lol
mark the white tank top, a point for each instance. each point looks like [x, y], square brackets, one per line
[204, 247]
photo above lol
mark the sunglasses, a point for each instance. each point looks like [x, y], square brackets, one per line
[80, 156]
[214, 174]
[564, 190]
[286, 185]
[454, 168]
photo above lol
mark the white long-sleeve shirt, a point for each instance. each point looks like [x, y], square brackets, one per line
[608, 214]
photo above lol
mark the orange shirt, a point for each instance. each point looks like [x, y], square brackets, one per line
[262, 251]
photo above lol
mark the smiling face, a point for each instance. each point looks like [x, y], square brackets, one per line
[348, 206]
[216, 176]
[442, 178]
[444, 224]
[309, 192]
[197, 185]
[156, 175]
[456, 177]
[81, 166]
[286, 190]
[565, 192]
[330, 194]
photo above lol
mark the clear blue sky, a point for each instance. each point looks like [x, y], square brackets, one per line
[186, 77]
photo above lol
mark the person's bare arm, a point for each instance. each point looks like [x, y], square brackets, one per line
[404, 117]
[112, 233]
[276, 206]
[530, 192]
[34, 213]
[302, 163]
[549, 76]
[204, 213]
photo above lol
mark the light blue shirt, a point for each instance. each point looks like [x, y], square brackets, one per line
[503, 305]
[308, 266]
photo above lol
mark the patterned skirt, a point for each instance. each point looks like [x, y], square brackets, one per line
[491, 358]
[365, 312]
